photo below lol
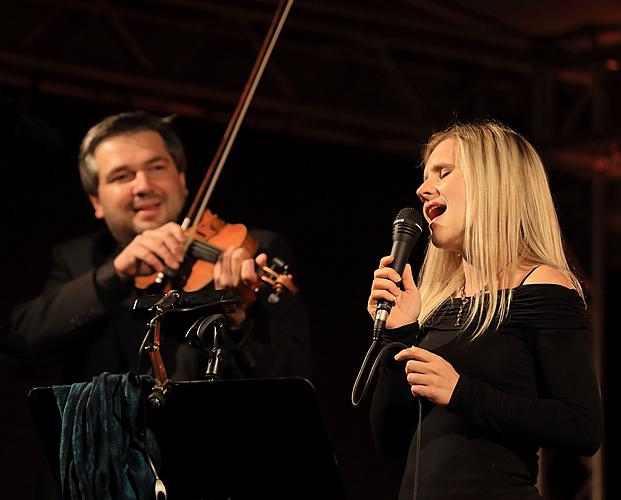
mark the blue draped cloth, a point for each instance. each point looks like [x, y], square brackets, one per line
[102, 444]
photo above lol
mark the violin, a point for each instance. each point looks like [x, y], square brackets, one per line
[208, 235]
[207, 240]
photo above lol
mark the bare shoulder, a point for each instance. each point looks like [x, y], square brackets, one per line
[548, 275]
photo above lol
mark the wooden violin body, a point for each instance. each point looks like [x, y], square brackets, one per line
[210, 237]
[206, 241]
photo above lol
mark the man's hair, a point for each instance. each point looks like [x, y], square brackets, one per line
[510, 220]
[123, 124]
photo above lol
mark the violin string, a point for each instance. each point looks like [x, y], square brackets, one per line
[205, 251]
[201, 256]
[210, 253]
[208, 247]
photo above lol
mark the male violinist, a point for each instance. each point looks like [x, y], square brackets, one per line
[132, 167]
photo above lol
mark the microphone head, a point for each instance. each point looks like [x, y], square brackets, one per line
[412, 215]
[408, 224]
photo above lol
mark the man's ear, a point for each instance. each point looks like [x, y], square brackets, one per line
[185, 188]
[99, 211]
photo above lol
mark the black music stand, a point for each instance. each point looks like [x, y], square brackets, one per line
[231, 439]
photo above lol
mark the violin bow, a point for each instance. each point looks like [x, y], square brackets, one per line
[215, 168]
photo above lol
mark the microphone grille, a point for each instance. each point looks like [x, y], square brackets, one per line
[410, 215]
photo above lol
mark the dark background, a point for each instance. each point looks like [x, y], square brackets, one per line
[328, 155]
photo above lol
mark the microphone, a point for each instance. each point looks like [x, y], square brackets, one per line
[406, 229]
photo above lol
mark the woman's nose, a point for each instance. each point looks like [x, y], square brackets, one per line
[425, 191]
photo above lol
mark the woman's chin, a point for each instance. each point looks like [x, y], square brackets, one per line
[448, 244]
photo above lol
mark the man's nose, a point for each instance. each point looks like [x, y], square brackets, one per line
[142, 183]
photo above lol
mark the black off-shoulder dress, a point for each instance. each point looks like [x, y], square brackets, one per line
[526, 385]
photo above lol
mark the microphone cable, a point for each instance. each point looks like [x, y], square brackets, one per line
[355, 400]
[406, 229]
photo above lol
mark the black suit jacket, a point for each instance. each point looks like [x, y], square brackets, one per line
[83, 320]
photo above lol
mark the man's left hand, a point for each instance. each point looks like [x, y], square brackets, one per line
[235, 270]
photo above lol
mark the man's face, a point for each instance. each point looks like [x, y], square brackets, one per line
[139, 185]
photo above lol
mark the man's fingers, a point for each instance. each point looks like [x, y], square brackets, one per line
[144, 255]
[174, 230]
[234, 266]
[261, 260]
[248, 273]
[225, 262]
[163, 247]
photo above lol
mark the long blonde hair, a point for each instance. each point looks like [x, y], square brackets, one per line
[510, 220]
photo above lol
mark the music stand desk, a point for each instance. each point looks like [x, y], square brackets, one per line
[231, 439]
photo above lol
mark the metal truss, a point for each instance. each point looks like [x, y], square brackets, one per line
[372, 74]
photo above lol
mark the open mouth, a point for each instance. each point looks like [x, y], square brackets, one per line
[434, 211]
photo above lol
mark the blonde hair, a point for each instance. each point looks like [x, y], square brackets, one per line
[510, 220]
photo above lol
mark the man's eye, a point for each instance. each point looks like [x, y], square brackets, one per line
[121, 178]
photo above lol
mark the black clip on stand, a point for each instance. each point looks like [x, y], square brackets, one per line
[215, 302]
[196, 337]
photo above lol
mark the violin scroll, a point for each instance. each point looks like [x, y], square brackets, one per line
[277, 276]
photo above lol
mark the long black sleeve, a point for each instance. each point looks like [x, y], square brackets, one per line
[566, 414]
[76, 296]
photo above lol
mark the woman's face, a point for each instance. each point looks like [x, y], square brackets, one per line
[443, 193]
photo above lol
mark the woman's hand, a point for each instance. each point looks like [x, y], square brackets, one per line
[429, 375]
[406, 302]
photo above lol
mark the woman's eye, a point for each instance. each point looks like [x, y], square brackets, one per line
[444, 173]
